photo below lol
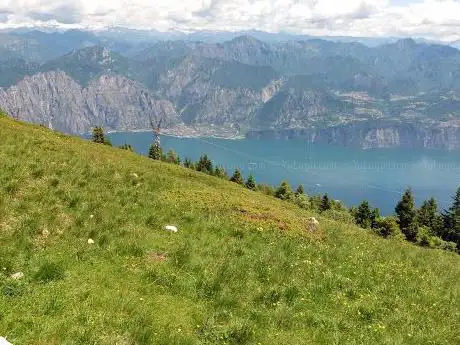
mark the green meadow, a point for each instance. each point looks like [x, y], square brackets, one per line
[242, 269]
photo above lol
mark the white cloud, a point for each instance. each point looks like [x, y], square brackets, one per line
[436, 19]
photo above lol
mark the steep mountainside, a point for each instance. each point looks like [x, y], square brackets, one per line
[280, 87]
[55, 99]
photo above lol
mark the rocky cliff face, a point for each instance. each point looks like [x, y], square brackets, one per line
[373, 135]
[55, 99]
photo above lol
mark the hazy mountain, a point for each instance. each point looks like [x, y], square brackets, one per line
[86, 64]
[310, 89]
[54, 98]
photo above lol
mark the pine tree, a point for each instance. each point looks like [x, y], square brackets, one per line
[363, 215]
[428, 216]
[299, 191]
[172, 157]
[251, 182]
[325, 203]
[284, 191]
[155, 152]
[205, 165]
[451, 217]
[98, 135]
[236, 177]
[375, 216]
[406, 215]
[188, 163]
[220, 172]
[126, 147]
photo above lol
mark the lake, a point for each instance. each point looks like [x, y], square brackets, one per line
[347, 174]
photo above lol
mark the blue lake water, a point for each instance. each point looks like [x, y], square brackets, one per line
[348, 174]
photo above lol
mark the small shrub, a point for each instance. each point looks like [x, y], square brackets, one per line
[236, 177]
[240, 335]
[387, 227]
[284, 191]
[445, 245]
[220, 172]
[205, 165]
[49, 272]
[302, 201]
[425, 237]
[340, 216]
[126, 147]
[266, 189]
[325, 203]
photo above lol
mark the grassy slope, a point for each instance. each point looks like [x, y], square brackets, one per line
[241, 270]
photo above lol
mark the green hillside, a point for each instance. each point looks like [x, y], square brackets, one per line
[242, 269]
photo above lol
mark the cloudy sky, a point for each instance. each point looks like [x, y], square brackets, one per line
[433, 19]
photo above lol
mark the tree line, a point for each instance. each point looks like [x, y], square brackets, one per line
[426, 226]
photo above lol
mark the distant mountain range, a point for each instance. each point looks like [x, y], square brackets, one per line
[402, 93]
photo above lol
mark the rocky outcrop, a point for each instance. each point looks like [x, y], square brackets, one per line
[54, 99]
[368, 135]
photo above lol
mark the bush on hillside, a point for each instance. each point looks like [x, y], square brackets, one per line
[425, 237]
[387, 227]
[48, 272]
[284, 191]
[220, 172]
[325, 203]
[126, 147]
[266, 189]
[340, 216]
[188, 163]
[302, 201]
[172, 157]
[300, 190]
[205, 165]
[237, 178]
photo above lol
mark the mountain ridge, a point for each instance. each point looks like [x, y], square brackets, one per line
[258, 86]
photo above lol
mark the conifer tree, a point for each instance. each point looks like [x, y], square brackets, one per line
[172, 157]
[126, 147]
[451, 230]
[406, 215]
[375, 216]
[363, 215]
[98, 135]
[299, 191]
[428, 215]
[220, 172]
[188, 163]
[236, 177]
[205, 165]
[155, 152]
[251, 182]
[284, 191]
[325, 203]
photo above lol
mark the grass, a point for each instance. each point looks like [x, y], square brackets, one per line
[241, 270]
